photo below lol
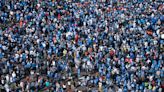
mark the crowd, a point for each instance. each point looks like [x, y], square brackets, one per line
[81, 45]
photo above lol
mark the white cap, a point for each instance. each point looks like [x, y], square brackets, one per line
[11, 13]
[69, 83]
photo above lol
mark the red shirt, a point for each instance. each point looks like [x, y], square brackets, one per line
[76, 38]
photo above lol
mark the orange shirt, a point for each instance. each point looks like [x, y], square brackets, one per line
[21, 23]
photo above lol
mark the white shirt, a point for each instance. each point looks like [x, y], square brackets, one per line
[119, 90]
[7, 78]
[7, 87]
[162, 36]
[13, 75]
